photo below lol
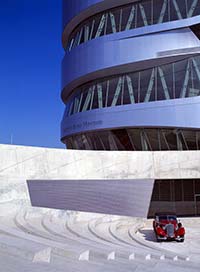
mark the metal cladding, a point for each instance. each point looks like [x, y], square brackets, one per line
[121, 197]
[131, 75]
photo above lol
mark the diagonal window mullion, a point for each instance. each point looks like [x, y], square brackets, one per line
[165, 140]
[86, 33]
[102, 143]
[101, 26]
[147, 141]
[80, 36]
[131, 18]
[76, 39]
[192, 8]
[130, 89]
[195, 92]
[150, 87]
[164, 84]
[92, 97]
[71, 44]
[163, 11]
[87, 100]
[196, 68]
[144, 142]
[131, 139]
[179, 15]
[80, 102]
[107, 92]
[117, 92]
[186, 81]
[144, 17]
[76, 104]
[112, 142]
[100, 97]
[184, 140]
[71, 108]
[113, 22]
[92, 30]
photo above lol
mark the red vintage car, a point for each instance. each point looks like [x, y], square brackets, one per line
[167, 227]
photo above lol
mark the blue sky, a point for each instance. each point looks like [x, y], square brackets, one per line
[30, 72]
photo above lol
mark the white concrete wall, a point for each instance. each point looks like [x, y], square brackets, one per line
[19, 163]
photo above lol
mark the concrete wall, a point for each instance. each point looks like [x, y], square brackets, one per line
[19, 163]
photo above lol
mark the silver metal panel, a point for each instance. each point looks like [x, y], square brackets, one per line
[118, 197]
[108, 55]
[182, 113]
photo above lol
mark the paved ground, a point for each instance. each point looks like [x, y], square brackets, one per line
[191, 246]
[48, 241]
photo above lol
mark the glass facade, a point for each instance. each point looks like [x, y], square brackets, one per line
[135, 15]
[175, 80]
[136, 140]
[181, 196]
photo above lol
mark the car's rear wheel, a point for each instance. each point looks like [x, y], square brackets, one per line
[158, 239]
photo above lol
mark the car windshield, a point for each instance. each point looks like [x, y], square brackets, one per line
[171, 218]
[167, 217]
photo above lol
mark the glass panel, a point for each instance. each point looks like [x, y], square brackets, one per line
[134, 134]
[123, 142]
[175, 80]
[103, 138]
[181, 142]
[144, 13]
[165, 82]
[165, 190]
[197, 186]
[171, 139]
[198, 140]
[102, 86]
[130, 89]
[98, 27]
[95, 103]
[153, 138]
[190, 138]
[195, 77]
[145, 141]
[147, 85]
[160, 11]
[178, 190]
[180, 72]
[188, 190]
[113, 82]
[138, 139]
[113, 21]
[193, 8]
[128, 17]
[177, 10]
[155, 194]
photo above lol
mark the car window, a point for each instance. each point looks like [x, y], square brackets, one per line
[168, 217]
[163, 217]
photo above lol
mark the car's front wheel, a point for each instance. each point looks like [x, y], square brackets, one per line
[181, 239]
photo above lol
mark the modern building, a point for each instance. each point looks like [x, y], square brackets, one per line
[131, 82]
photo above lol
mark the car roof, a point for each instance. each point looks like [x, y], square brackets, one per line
[165, 213]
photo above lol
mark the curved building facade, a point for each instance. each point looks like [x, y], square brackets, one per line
[131, 75]
[131, 82]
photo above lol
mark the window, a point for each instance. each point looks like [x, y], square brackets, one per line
[134, 15]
